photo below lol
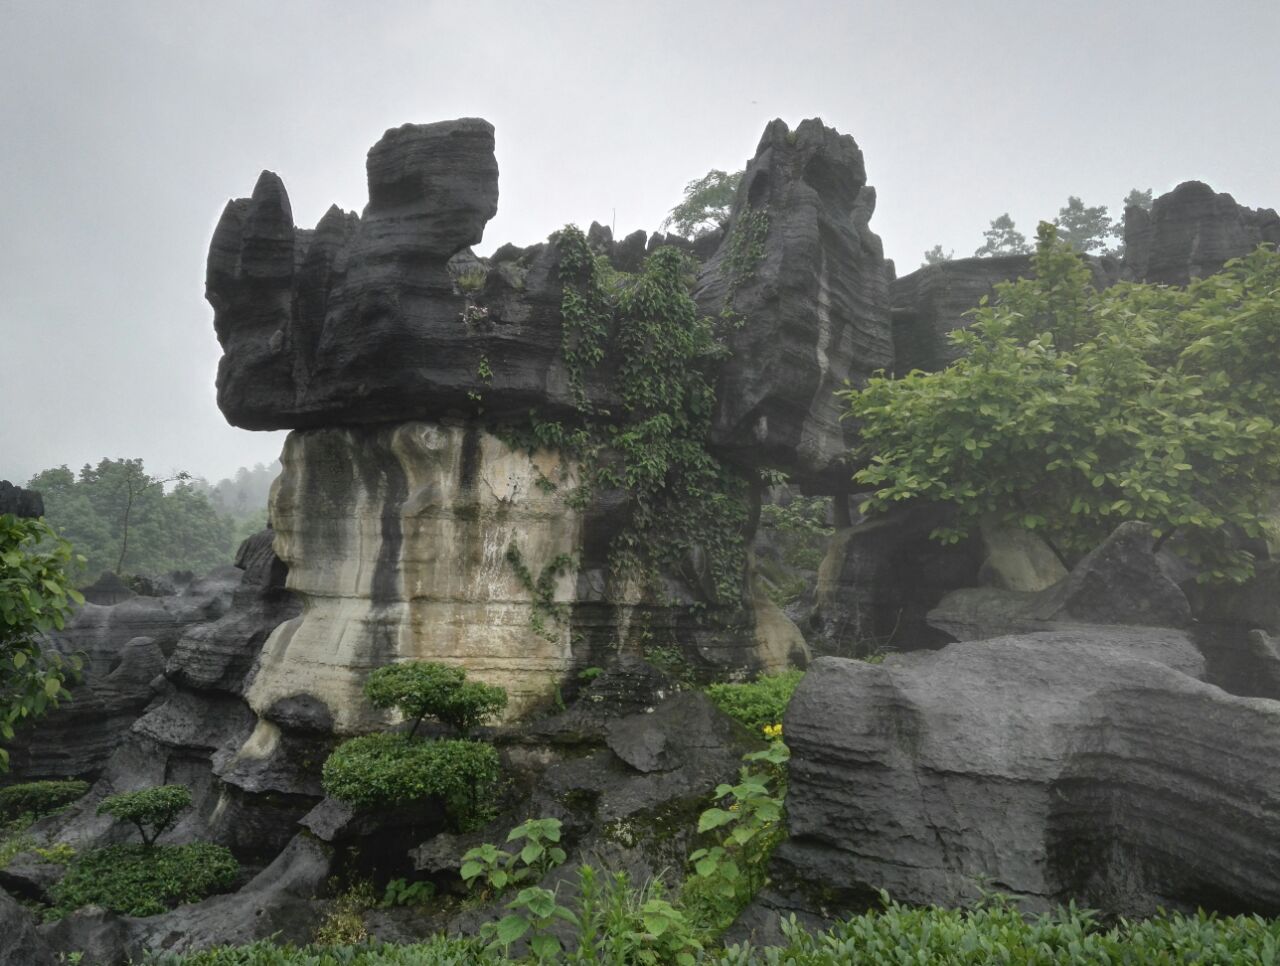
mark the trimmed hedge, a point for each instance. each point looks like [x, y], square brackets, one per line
[38, 799]
[759, 703]
[140, 880]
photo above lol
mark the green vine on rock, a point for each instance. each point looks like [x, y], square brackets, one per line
[746, 251]
[542, 589]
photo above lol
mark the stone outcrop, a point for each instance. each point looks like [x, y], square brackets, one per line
[124, 647]
[1088, 764]
[1190, 232]
[1122, 581]
[803, 269]
[879, 580]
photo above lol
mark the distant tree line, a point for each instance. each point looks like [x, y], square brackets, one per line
[1088, 230]
[122, 519]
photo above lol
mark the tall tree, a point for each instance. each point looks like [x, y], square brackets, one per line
[1002, 238]
[936, 256]
[707, 203]
[1086, 229]
[1138, 199]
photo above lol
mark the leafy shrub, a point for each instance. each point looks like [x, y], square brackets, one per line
[997, 933]
[38, 798]
[344, 922]
[437, 951]
[390, 769]
[760, 703]
[419, 689]
[499, 868]
[402, 892]
[153, 809]
[140, 880]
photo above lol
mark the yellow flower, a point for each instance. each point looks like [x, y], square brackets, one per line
[773, 730]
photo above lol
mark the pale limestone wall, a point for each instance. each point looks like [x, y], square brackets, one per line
[396, 539]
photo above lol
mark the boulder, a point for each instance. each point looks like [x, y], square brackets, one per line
[1122, 581]
[20, 943]
[1191, 232]
[802, 270]
[1088, 764]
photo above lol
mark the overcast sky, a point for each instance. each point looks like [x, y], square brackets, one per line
[126, 126]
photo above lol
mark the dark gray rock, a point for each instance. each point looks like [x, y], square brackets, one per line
[102, 938]
[814, 303]
[880, 578]
[20, 502]
[1190, 232]
[108, 590]
[1086, 765]
[218, 655]
[1122, 581]
[124, 647]
[29, 876]
[20, 943]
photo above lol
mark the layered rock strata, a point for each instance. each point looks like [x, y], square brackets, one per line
[802, 269]
[1190, 232]
[1072, 764]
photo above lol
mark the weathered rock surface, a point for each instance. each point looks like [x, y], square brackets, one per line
[813, 289]
[1120, 582]
[880, 578]
[1190, 232]
[20, 943]
[125, 647]
[1087, 764]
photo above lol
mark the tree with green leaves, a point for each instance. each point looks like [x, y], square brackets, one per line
[1002, 238]
[152, 811]
[1072, 410]
[1086, 229]
[36, 597]
[122, 519]
[936, 256]
[707, 203]
[421, 689]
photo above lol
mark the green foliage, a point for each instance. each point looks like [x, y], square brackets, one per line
[1138, 199]
[1073, 410]
[35, 597]
[121, 519]
[1085, 229]
[37, 799]
[936, 256]
[470, 281]
[707, 203]
[746, 249]
[1002, 238]
[759, 703]
[654, 447]
[382, 770]
[419, 689]
[437, 951]
[141, 881]
[612, 923]
[496, 869]
[542, 590]
[996, 932]
[800, 525]
[727, 876]
[343, 922]
[152, 810]
[401, 892]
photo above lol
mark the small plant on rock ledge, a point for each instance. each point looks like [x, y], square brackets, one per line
[153, 811]
[422, 689]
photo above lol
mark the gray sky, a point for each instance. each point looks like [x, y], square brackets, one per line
[125, 126]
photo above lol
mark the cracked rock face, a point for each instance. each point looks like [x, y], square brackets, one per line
[1088, 763]
[397, 540]
[1190, 233]
[802, 268]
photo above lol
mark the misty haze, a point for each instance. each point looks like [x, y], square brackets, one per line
[654, 484]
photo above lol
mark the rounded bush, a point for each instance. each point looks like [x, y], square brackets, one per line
[420, 689]
[38, 798]
[154, 809]
[390, 769]
[140, 881]
[759, 704]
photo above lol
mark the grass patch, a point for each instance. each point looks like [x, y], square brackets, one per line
[759, 703]
[141, 881]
